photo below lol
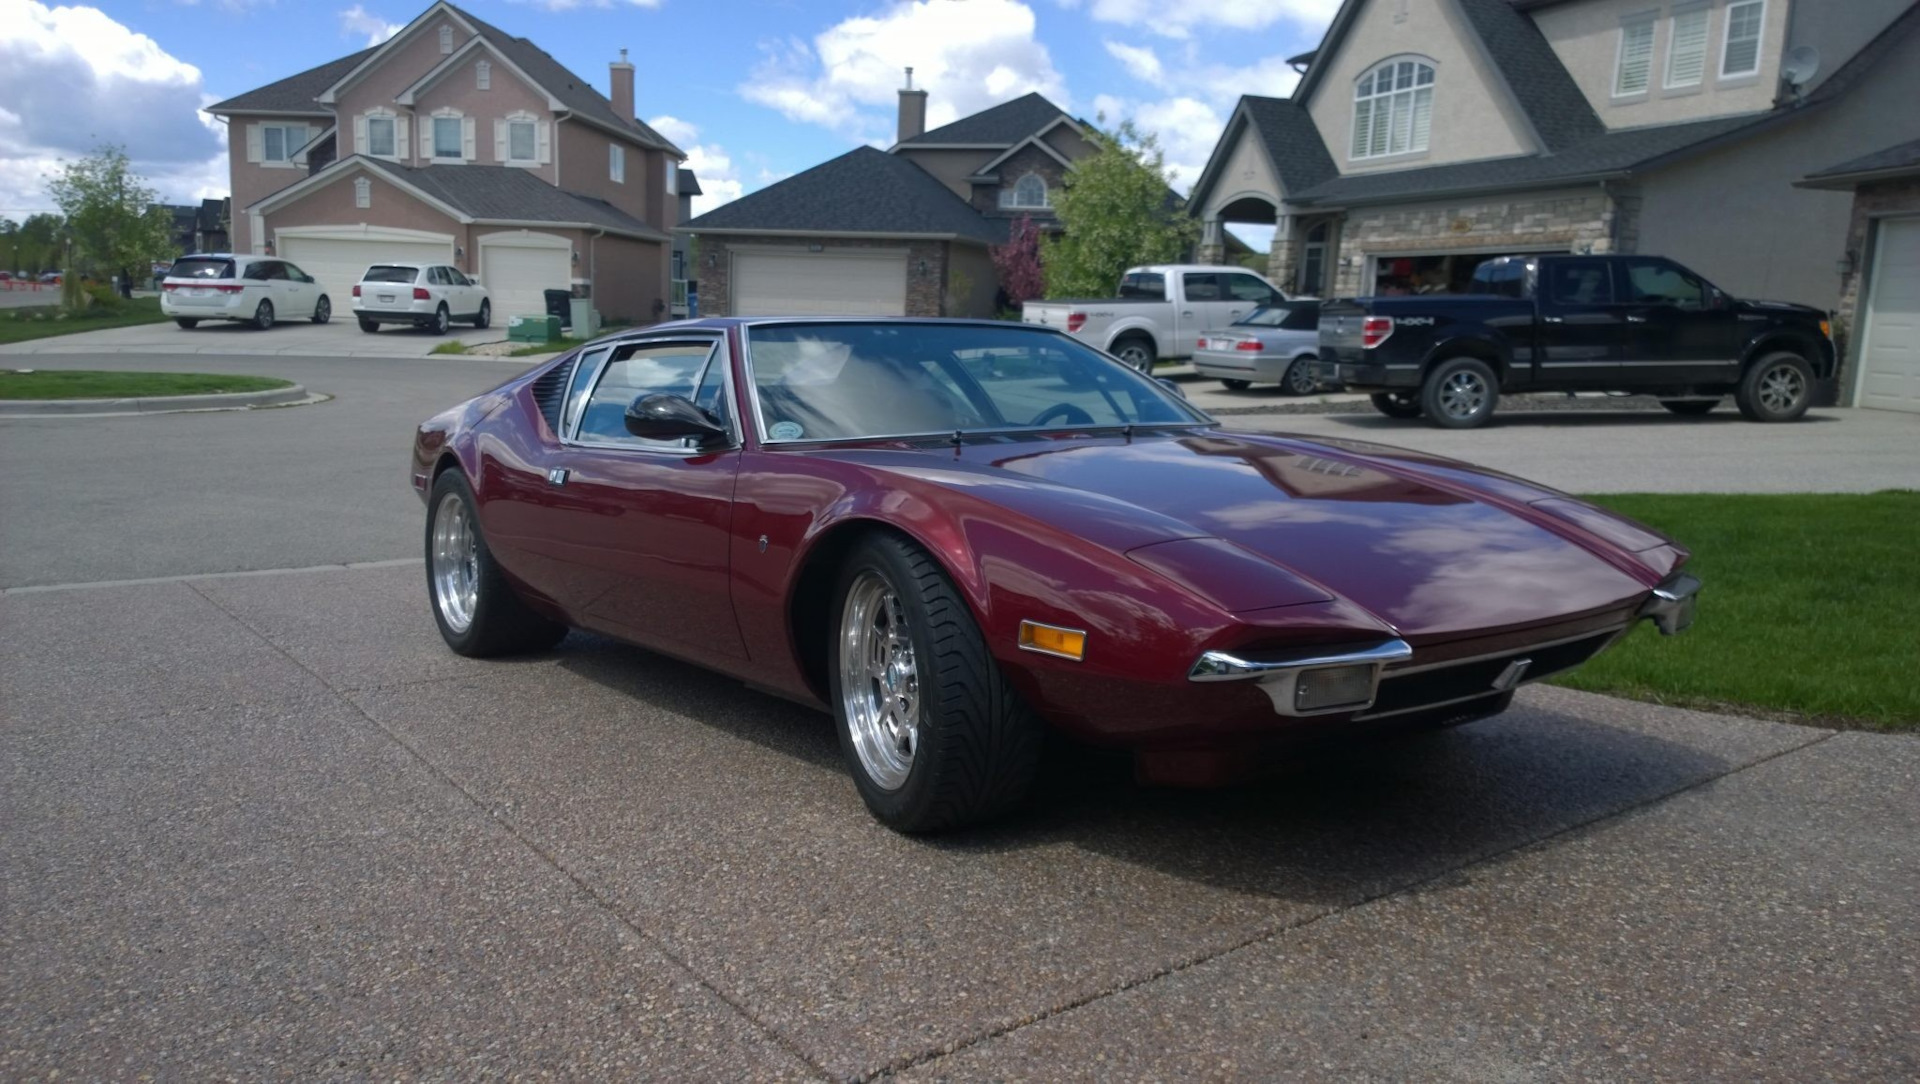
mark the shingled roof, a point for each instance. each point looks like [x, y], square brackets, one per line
[294, 94]
[862, 191]
[1900, 160]
[1002, 125]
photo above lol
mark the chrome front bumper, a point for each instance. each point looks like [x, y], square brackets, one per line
[1671, 605]
[1279, 673]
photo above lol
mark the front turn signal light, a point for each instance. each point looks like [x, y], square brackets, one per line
[1826, 328]
[1053, 640]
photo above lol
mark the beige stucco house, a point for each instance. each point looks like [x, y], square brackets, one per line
[456, 142]
[1426, 135]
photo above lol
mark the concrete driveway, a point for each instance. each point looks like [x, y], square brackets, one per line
[263, 822]
[340, 337]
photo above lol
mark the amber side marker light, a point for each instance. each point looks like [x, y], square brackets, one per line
[1053, 640]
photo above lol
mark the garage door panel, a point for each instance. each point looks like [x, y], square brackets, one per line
[1890, 347]
[518, 276]
[337, 263]
[819, 284]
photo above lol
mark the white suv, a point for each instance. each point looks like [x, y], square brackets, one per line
[254, 289]
[431, 296]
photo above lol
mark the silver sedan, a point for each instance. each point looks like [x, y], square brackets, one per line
[1275, 345]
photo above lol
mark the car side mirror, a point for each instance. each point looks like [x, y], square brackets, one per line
[672, 417]
[1172, 387]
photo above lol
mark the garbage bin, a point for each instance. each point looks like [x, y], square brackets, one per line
[560, 304]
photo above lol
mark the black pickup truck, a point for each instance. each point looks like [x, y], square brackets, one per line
[1635, 324]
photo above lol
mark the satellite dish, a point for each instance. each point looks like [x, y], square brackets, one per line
[1800, 65]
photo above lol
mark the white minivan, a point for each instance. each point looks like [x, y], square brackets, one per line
[252, 289]
[431, 296]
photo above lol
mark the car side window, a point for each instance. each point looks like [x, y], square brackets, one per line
[1657, 282]
[1202, 287]
[436, 276]
[256, 271]
[295, 273]
[634, 371]
[1580, 282]
[1248, 288]
[458, 279]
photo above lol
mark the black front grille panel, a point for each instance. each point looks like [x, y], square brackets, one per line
[1475, 678]
[550, 392]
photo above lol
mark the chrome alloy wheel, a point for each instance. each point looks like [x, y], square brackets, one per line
[1781, 388]
[1136, 355]
[879, 681]
[456, 563]
[1463, 394]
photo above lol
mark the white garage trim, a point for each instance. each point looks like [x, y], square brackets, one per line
[364, 232]
[516, 268]
[1888, 360]
[775, 280]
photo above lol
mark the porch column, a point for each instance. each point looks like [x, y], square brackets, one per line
[1213, 245]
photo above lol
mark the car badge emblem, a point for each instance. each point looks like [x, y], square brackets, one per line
[1511, 676]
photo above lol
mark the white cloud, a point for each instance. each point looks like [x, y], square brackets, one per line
[74, 79]
[1197, 99]
[1186, 128]
[967, 55]
[1178, 20]
[570, 5]
[357, 21]
[710, 163]
[1140, 60]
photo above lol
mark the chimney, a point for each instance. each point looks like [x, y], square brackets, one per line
[913, 110]
[622, 83]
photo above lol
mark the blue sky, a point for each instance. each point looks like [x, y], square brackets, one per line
[754, 90]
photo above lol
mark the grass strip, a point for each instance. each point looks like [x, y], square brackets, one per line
[93, 384]
[42, 322]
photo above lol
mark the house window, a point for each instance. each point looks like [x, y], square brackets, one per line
[446, 137]
[446, 40]
[520, 141]
[673, 177]
[1313, 261]
[1028, 191]
[617, 163]
[380, 137]
[1687, 49]
[1393, 109]
[1741, 54]
[280, 142]
[362, 192]
[483, 76]
[1634, 65]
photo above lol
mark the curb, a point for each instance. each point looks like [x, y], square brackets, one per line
[241, 400]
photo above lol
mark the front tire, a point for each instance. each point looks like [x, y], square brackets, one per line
[1396, 404]
[187, 322]
[322, 310]
[1136, 351]
[479, 613]
[486, 315]
[263, 316]
[1299, 378]
[1690, 408]
[1777, 388]
[932, 733]
[1460, 393]
[1235, 385]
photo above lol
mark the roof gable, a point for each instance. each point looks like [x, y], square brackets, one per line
[863, 191]
[997, 126]
[298, 93]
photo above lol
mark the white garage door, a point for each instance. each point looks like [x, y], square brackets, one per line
[1890, 348]
[819, 284]
[518, 271]
[338, 263]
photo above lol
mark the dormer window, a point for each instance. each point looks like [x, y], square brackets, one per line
[483, 76]
[446, 40]
[1029, 191]
[520, 139]
[1393, 109]
[447, 136]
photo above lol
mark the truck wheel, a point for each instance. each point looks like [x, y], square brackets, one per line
[1460, 394]
[1777, 388]
[1136, 351]
[1397, 404]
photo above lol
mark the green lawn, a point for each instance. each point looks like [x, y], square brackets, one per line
[554, 346]
[1811, 608]
[90, 384]
[19, 325]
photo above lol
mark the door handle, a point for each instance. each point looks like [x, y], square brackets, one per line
[1553, 319]
[1631, 319]
[1188, 313]
[557, 476]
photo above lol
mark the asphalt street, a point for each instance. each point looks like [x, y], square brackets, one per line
[262, 823]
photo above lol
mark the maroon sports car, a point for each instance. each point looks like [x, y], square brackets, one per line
[955, 534]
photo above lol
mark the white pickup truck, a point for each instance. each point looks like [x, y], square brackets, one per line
[1163, 311]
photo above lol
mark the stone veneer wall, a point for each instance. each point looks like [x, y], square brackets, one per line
[926, 289]
[1870, 201]
[1590, 221]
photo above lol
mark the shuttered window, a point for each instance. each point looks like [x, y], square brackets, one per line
[1687, 49]
[1393, 109]
[1635, 66]
[1741, 55]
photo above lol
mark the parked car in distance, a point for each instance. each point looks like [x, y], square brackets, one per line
[1162, 311]
[1279, 344]
[430, 296]
[1630, 324]
[954, 535]
[256, 290]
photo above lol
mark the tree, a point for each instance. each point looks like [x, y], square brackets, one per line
[1118, 212]
[39, 244]
[113, 219]
[1018, 262]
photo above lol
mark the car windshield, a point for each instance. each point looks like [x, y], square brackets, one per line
[853, 381]
[1291, 316]
[388, 273]
[192, 268]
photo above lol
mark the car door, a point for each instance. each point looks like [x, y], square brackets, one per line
[1581, 332]
[1680, 331]
[642, 525]
[1203, 308]
[302, 292]
[469, 304]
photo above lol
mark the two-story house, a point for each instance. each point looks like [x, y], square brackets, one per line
[900, 232]
[1425, 135]
[456, 142]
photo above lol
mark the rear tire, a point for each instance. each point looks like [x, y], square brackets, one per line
[441, 321]
[1777, 388]
[369, 326]
[1136, 351]
[1397, 404]
[485, 317]
[974, 747]
[1236, 385]
[263, 316]
[1299, 378]
[187, 322]
[1690, 408]
[322, 310]
[479, 613]
[1460, 393]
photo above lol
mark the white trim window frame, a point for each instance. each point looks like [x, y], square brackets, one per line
[522, 126]
[392, 126]
[483, 76]
[446, 40]
[672, 180]
[1750, 16]
[362, 192]
[1022, 195]
[1687, 42]
[447, 128]
[292, 137]
[1633, 58]
[616, 163]
[1393, 109]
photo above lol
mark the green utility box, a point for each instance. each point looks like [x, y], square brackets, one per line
[533, 329]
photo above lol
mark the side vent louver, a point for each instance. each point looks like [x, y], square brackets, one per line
[550, 391]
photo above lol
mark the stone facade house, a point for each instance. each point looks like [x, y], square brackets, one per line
[898, 232]
[1426, 135]
[455, 142]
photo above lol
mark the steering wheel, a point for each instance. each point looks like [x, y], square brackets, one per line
[1068, 413]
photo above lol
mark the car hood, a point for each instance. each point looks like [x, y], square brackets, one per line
[1782, 308]
[1428, 546]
